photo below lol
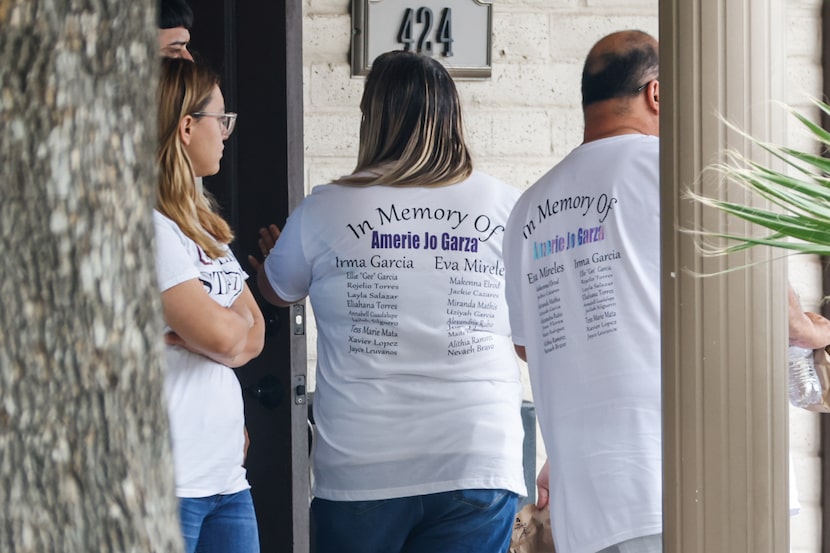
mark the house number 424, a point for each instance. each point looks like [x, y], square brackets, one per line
[425, 19]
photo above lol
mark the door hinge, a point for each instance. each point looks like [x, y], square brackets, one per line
[298, 319]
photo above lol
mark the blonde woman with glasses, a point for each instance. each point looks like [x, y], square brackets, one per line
[212, 320]
[418, 445]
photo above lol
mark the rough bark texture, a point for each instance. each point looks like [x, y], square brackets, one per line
[85, 462]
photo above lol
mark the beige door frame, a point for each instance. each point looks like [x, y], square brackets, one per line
[725, 410]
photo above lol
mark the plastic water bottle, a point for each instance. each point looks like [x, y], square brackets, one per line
[805, 388]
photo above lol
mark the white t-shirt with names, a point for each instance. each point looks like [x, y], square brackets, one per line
[418, 389]
[582, 253]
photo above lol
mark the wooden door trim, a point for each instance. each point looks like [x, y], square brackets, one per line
[296, 191]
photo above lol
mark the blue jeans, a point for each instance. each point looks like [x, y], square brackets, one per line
[219, 523]
[460, 521]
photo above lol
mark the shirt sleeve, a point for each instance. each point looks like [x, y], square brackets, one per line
[287, 267]
[512, 284]
[173, 262]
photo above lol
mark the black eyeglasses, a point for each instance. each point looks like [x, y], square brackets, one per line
[642, 86]
[226, 120]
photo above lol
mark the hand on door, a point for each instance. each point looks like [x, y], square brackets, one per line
[268, 236]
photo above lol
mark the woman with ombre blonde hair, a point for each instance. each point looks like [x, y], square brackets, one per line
[418, 444]
[212, 320]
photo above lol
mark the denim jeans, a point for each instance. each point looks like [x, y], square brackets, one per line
[460, 521]
[644, 544]
[219, 523]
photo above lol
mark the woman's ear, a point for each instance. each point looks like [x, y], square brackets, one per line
[186, 129]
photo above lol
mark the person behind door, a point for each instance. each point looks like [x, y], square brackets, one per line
[582, 253]
[175, 22]
[418, 446]
[212, 320]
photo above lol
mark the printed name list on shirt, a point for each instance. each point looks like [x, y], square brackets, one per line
[473, 281]
[579, 252]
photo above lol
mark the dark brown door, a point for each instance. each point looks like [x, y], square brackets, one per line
[256, 47]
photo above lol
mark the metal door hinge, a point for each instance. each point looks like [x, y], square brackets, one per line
[298, 319]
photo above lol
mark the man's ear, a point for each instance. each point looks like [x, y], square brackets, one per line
[653, 96]
[186, 129]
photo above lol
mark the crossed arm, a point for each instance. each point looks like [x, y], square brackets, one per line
[229, 335]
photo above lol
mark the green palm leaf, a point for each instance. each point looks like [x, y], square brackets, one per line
[804, 224]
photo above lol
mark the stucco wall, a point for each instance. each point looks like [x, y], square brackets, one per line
[527, 117]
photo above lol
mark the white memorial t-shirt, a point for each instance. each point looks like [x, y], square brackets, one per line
[204, 399]
[582, 252]
[418, 390]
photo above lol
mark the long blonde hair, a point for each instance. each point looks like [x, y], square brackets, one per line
[185, 88]
[411, 133]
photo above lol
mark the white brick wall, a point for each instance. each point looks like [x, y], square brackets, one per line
[527, 116]
[519, 122]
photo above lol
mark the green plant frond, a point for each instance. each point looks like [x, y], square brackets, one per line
[743, 243]
[734, 127]
[733, 159]
[785, 225]
[823, 106]
[813, 161]
[819, 133]
[797, 183]
[800, 189]
[788, 193]
[784, 245]
[704, 242]
[777, 222]
[797, 199]
[709, 249]
[768, 146]
[779, 152]
[812, 174]
[784, 153]
[736, 268]
[738, 159]
[801, 228]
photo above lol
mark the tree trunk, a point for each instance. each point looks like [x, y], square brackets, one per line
[85, 462]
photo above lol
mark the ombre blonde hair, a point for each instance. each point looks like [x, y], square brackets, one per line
[185, 88]
[411, 133]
